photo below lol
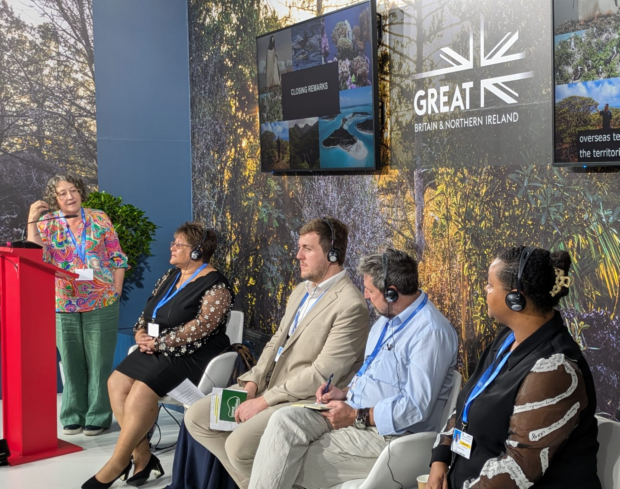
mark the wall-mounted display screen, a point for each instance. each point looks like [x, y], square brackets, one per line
[318, 99]
[586, 45]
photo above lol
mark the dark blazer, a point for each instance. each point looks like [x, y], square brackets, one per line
[535, 422]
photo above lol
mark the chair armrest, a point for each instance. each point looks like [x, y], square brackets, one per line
[409, 457]
[218, 372]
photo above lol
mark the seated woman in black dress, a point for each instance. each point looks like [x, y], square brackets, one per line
[526, 417]
[181, 329]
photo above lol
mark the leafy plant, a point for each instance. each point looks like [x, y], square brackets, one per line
[135, 231]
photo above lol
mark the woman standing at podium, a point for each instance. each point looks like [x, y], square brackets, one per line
[87, 308]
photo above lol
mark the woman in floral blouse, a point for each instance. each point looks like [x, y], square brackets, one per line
[181, 329]
[87, 308]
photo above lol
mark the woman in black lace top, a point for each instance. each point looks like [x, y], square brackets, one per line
[181, 329]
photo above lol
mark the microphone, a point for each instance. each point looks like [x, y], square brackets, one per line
[68, 216]
[28, 244]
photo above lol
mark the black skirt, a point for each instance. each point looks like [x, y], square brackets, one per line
[163, 373]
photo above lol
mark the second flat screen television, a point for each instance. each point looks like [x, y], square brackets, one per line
[586, 48]
[318, 95]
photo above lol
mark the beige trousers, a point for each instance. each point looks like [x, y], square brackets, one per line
[300, 449]
[236, 449]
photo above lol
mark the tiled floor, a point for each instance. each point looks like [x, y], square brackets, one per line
[71, 471]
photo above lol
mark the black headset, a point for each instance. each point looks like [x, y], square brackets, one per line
[516, 300]
[196, 253]
[333, 254]
[389, 292]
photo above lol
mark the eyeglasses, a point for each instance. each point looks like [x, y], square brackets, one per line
[174, 244]
[63, 194]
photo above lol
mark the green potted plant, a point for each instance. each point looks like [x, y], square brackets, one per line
[135, 232]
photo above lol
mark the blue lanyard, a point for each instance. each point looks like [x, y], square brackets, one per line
[381, 342]
[295, 324]
[79, 248]
[168, 296]
[488, 376]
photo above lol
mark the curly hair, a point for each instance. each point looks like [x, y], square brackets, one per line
[538, 276]
[51, 197]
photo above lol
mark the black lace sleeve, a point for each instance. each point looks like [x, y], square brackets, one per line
[215, 306]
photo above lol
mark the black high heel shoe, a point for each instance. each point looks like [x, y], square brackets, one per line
[93, 483]
[153, 468]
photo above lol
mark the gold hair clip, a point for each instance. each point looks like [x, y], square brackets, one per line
[561, 280]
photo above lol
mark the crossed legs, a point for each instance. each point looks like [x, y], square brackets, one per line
[135, 407]
[299, 448]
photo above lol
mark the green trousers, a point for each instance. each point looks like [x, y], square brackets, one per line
[86, 341]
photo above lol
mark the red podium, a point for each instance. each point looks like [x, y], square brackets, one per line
[28, 337]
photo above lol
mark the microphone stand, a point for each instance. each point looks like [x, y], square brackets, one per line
[24, 243]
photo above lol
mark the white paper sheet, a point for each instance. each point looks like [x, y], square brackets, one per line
[186, 393]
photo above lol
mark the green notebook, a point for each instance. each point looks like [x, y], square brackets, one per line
[230, 402]
[224, 403]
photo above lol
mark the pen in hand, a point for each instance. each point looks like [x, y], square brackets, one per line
[326, 390]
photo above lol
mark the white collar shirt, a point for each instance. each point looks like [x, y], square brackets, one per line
[315, 292]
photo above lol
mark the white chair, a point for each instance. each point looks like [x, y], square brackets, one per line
[608, 463]
[409, 456]
[219, 370]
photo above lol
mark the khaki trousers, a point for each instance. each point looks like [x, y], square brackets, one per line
[300, 449]
[236, 449]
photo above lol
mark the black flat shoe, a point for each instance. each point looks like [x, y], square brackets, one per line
[93, 483]
[152, 470]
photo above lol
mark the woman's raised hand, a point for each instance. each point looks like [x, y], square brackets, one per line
[37, 209]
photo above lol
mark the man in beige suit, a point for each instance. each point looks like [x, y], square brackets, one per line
[323, 332]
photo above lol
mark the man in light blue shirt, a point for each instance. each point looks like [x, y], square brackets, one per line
[401, 388]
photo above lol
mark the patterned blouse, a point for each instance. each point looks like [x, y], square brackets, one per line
[103, 254]
[199, 311]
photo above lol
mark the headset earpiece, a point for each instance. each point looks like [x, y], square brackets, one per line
[389, 292]
[515, 299]
[333, 254]
[196, 253]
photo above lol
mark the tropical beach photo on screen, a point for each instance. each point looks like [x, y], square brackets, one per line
[586, 47]
[317, 76]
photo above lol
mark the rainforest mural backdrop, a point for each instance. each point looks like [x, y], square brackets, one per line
[47, 102]
[467, 150]
[467, 166]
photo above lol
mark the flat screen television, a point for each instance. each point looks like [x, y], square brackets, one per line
[318, 97]
[586, 71]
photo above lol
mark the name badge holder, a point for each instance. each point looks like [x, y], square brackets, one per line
[84, 274]
[462, 442]
[153, 327]
[152, 330]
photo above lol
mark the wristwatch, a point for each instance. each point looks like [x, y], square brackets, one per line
[361, 420]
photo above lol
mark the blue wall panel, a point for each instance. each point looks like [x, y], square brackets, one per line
[143, 122]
